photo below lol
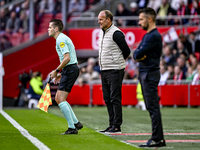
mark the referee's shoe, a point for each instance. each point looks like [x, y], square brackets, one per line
[78, 126]
[71, 131]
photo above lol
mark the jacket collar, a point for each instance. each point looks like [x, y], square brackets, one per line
[108, 28]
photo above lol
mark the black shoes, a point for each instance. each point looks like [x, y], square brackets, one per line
[103, 131]
[152, 143]
[74, 131]
[78, 126]
[71, 131]
[111, 130]
[114, 130]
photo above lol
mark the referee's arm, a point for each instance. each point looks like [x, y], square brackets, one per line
[65, 61]
[119, 39]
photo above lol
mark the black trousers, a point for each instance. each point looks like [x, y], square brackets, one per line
[149, 82]
[111, 85]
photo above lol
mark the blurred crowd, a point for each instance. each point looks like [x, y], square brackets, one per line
[15, 18]
[164, 8]
[180, 60]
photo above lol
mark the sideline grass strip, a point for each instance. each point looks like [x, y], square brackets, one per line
[24, 132]
[11, 138]
[150, 134]
[47, 128]
[179, 120]
[168, 141]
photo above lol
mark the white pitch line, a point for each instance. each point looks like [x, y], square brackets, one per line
[24, 132]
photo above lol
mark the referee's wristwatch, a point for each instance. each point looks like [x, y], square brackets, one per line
[57, 70]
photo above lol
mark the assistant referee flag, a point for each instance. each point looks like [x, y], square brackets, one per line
[45, 99]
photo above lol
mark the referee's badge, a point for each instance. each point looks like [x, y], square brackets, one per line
[62, 44]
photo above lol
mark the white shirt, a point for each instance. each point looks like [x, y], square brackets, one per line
[163, 78]
[195, 80]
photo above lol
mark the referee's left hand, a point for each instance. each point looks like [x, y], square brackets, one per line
[53, 74]
[57, 78]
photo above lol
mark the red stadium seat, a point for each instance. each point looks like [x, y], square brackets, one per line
[58, 16]
[26, 37]
[16, 38]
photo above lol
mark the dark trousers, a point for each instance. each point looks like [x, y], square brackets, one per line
[149, 82]
[111, 85]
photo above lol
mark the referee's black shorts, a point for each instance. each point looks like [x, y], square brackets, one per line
[69, 75]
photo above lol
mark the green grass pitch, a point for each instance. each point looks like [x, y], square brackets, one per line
[47, 128]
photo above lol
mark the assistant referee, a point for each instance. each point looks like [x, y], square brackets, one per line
[68, 76]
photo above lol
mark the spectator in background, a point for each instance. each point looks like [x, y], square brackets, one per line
[2, 3]
[25, 7]
[92, 61]
[23, 23]
[178, 74]
[155, 4]
[130, 70]
[133, 12]
[140, 98]
[121, 11]
[165, 10]
[193, 61]
[162, 62]
[17, 8]
[90, 74]
[170, 69]
[45, 6]
[36, 85]
[180, 48]
[182, 64]
[76, 6]
[4, 19]
[80, 80]
[196, 79]
[190, 74]
[57, 9]
[164, 74]
[12, 24]
[184, 56]
[36, 6]
[168, 57]
[185, 42]
[195, 44]
[142, 3]
[91, 3]
[175, 4]
[5, 43]
[182, 11]
[194, 11]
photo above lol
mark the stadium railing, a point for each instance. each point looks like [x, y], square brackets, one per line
[173, 93]
[92, 21]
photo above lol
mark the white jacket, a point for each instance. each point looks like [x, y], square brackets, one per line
[110, 55]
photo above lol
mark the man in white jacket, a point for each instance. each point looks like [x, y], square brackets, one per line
[113, 51]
